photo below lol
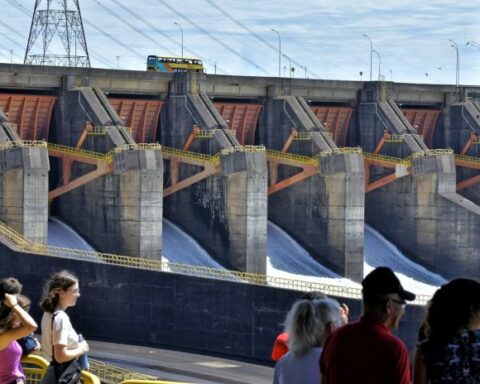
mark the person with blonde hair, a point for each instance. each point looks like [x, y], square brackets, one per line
[308, 325]
[15, 323]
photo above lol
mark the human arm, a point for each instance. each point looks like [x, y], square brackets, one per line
[27, 324]
[419, 368]
[63, 354]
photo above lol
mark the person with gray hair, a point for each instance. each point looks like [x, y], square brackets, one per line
[308, 325]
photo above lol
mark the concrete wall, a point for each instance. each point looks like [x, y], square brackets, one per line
[167, 310]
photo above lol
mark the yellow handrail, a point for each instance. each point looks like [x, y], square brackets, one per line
[133, 381]
[35, 367]
[23, 143]
[387, 159]
[468, 159]
[80, 152]
[13, 238]
[301, 159]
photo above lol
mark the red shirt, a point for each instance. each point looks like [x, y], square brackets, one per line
[365, 352]
[280, 347]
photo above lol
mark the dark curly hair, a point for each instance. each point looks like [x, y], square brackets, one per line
[59, 281]
[451, 309]
[6, 320]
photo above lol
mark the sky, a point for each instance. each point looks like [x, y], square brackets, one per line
[321, 39]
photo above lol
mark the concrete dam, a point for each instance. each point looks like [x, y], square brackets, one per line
[113, 153]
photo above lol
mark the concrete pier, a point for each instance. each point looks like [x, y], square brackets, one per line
[421, 212]
[324, 212]
[120, 212]
[225, 213]
[23, 184]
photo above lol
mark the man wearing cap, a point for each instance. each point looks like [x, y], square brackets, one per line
[366, 351]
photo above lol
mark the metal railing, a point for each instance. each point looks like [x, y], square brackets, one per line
[302, 160]
[14, 239]
[468, 159]
[215, 159]
[23, 143]
[243, 148]
[387, 159]
[35, 367]
[80, 152]
[133, 147]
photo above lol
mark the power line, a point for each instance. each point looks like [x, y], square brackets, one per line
[256, 35]
[159, 31]
[204, 31]
[123, 20]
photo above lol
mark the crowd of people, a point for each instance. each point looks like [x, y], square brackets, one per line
[60, 343]
[320, 346]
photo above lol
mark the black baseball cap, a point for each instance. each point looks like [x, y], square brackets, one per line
[381, 281]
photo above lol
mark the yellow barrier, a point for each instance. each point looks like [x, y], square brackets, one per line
[80, 152]
[111, 374]
[387, 159]
[302, 160]
[23, 143]
[243, 148]
[152, 382]
[35, 367]
[468, 159]
[9, 236]
[191, 155]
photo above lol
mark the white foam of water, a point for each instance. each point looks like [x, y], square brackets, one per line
[61, 235]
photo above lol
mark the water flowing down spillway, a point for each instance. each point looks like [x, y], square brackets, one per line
[178, 247]
[61, 235]
[379, 251]
[287, 259]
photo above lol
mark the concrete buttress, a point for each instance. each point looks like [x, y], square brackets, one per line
[120, 212]
[227, 212]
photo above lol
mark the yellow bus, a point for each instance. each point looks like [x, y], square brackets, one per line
[174, 64]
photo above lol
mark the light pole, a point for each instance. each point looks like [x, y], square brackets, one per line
[181, 31]
[279, 52]
[457, 72]
[118, 61]
[11, 56]
[379, 63]
[371, 53]
[290, 72]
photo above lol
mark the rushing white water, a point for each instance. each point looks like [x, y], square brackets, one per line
[178, 247]
[61, 235]
[286, 258]
[379, 251]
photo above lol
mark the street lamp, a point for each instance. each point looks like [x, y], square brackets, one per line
[473, 44]
[279, 52]
[290, 68]
[457, 77]
[379, 63]
[371, 53]
[181, 31]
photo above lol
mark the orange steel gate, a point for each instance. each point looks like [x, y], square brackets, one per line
[31, 114]
[424, 121]
[140, 115]
[242, 118]
[336, 120]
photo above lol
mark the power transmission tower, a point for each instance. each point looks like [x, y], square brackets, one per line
[61, 19]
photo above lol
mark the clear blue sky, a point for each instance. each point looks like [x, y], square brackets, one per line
[325, 36]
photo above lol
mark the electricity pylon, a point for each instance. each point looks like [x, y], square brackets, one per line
[62, 19]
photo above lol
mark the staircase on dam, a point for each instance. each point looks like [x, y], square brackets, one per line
[227, 212]
[421, 211]
[321, 208]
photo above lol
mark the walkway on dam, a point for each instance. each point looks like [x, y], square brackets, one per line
[180, 366]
